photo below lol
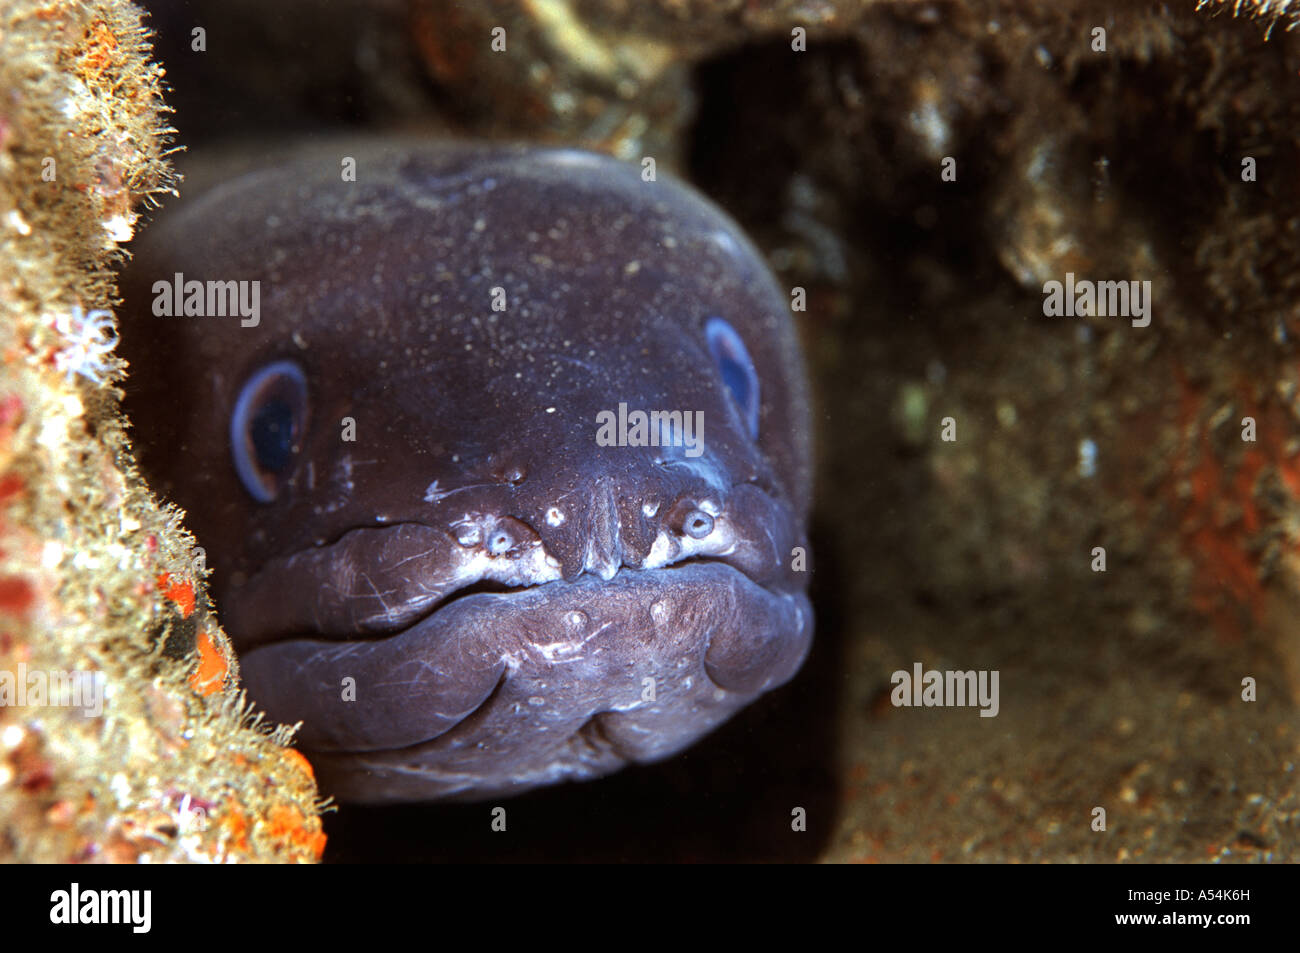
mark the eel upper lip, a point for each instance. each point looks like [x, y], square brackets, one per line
[376, 581]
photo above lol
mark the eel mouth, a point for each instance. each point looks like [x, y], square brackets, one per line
[379, 580]
[491, 692]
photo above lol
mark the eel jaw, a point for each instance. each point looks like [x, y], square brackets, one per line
[495, 693]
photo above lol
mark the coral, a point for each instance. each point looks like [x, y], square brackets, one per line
[123, 733]
[1270, 11]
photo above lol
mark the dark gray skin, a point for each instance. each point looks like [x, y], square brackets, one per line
[475, 462]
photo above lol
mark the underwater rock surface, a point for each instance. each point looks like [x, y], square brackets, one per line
[123, 736]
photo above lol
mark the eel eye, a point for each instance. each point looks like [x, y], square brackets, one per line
[737, 369]
[267, 427]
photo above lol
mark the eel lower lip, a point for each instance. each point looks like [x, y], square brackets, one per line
[661, 656]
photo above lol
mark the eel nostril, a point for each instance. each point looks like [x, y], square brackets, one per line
[500, 541]
[509, 536]
[498, 536]
[697, 524]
